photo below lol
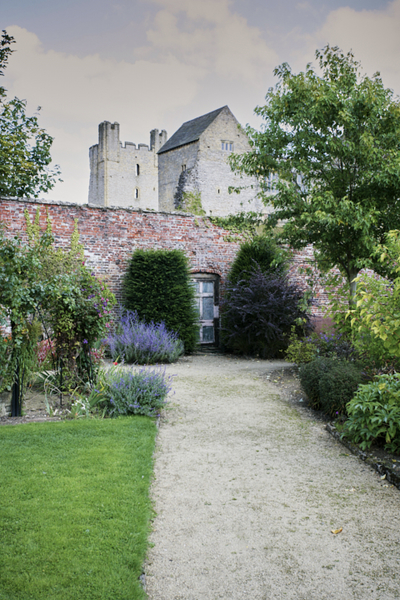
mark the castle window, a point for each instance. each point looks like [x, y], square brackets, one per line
[137, 170]
[136, 193]
[183, 168]
[227, 146]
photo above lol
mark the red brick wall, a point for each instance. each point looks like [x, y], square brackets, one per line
[109, 236]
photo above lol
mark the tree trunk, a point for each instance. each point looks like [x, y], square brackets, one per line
[353, 287]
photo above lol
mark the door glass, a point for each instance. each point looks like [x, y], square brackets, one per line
[208, 308]
[208, 333]
[204, 290]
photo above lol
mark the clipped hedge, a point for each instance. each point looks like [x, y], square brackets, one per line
[158, 286]
[330, 384]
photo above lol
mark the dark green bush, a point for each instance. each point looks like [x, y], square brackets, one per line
[262, 250]
[330, 384]
[158, 287]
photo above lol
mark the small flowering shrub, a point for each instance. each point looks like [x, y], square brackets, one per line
[141, 392]
[330, 384]
[138, 342]
[329, 345]
[374, 414]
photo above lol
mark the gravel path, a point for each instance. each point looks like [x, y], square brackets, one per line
[247, 490]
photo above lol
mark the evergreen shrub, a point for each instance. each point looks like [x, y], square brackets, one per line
[158, 286]
[258, 315]
[330, 384]
[264, 252]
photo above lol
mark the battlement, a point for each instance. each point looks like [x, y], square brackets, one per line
[109, 141]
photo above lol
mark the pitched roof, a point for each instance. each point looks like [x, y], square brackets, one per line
[190, 131]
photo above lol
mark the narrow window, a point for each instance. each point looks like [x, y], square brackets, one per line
[227, 146]
[183, 168]
[137, 170]
[136, 193]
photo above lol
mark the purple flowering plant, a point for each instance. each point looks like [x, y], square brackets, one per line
[143, 343]
[141, 392]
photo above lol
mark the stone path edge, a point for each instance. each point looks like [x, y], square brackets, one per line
[381, 468]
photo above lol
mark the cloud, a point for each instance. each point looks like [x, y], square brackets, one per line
[198, 54]
[210, 36]
[373, 35]
[78, 93]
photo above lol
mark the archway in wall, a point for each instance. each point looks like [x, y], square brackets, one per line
[207, 300]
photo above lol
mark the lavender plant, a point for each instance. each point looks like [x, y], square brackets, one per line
[141, 392]
[138, 342]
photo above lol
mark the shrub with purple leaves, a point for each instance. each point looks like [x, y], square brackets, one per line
[140, 392]
[259, 314]
[138, 342]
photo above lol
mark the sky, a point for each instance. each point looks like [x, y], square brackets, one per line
[154, 64]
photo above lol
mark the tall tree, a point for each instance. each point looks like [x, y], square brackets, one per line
[333, 140]
[24, 146]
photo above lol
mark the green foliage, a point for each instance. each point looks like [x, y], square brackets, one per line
[378, 304]
[191, 203]
[158, 286]
[263, 250]
[53, 285]
[75, 508]
[334, 142]
[244, 225]
[300, 350]
[329, 384]
[24, 146]
[374, 414]
[20, 293]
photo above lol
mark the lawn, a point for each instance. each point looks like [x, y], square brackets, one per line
[75, 509]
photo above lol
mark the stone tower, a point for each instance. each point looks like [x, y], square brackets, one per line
[124, 175]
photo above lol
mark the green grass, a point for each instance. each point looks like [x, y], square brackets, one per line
[75, 509]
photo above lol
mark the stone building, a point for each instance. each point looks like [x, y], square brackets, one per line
[188, 172]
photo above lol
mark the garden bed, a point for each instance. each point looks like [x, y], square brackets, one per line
[385, 463]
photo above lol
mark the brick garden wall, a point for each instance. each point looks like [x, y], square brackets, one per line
[110, 235]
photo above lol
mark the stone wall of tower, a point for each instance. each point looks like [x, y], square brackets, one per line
[124, 175]
[177, 174]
